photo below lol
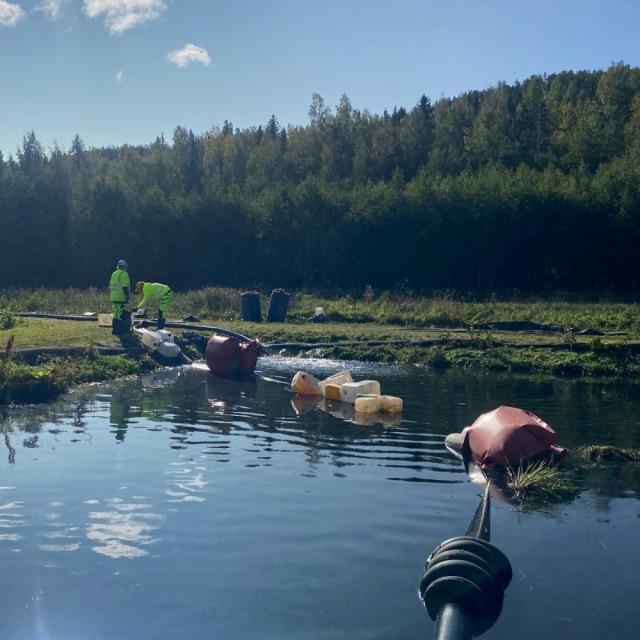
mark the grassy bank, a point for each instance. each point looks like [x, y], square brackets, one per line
[599, 338]
[399, 309]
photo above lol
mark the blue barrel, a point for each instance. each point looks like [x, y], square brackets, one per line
[250, 305]
[278, 304]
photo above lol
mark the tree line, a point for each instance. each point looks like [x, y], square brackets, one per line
[527, 187]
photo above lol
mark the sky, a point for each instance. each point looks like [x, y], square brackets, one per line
[121, 72]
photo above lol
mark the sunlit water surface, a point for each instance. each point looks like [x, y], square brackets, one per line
[182, 505]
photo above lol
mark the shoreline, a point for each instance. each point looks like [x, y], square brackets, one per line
[35, 374]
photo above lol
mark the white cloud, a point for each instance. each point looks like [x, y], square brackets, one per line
[50, 8]
[121, 15]
[119, 76]
[10, 14]
[188, 55]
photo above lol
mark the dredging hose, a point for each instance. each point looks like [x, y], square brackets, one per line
[464, 580]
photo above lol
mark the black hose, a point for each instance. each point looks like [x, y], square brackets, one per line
[142, 323]
[198, 327]
[464, 580]
[470, 573]
[31, 355]
[57, 316]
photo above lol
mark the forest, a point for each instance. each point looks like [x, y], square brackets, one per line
[527, 188]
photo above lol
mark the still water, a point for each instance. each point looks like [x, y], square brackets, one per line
[182, 505]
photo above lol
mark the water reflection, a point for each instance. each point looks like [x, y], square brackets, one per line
[184, 485]
[12, 452]
[205, 406]
[123, 530]
[344, 411]
[121, 406]
[11, 518]
[190, 483]
[226, 393]
[159, 379]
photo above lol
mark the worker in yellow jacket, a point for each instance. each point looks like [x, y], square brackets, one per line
[119, 289]
[155, 292]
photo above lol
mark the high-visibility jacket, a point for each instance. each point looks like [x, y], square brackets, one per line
[119, 286]
[155, 292]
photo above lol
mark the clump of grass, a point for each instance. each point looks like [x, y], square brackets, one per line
[539, 482]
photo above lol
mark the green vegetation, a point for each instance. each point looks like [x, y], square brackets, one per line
[606, 453]
[28, 384]
[395, 310]
[384, 327]
[415, 231]
[532, 187]
[536, 484]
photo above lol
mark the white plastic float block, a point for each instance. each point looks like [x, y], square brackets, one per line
[391, 404]
[336, 378]
[368, 403]
[349, 391]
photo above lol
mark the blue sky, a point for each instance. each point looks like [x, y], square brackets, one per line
[126, 71]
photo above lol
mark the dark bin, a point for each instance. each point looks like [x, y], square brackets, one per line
[278, 304]
[250, 304]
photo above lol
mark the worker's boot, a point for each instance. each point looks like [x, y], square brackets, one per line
[116, 327]
[160, 320]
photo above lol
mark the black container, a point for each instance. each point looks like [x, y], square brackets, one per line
[278, 304]
[250, 305]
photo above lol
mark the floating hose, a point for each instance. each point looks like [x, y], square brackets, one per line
[469, 572]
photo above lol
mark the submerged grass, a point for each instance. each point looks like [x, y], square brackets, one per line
[606, 453]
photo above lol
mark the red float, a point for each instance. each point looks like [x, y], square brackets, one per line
[229, 356]
[508, 437]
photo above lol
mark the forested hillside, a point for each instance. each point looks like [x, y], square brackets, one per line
[530, 187]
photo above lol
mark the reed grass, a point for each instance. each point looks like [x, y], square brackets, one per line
[539, 481]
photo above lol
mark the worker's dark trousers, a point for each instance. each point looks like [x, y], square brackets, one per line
[122, 324]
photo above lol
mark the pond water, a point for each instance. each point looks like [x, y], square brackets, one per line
[181, 505]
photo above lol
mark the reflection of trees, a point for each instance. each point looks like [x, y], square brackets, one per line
[12, 452]
[31, 419]
[23, 421]
[198, 407]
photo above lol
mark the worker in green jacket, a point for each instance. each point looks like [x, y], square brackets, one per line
[119, 288]
[155, 292]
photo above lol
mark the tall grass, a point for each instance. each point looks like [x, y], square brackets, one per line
[444, 309]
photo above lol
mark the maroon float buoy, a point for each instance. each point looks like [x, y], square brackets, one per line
[228, 356]
[509, 437]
